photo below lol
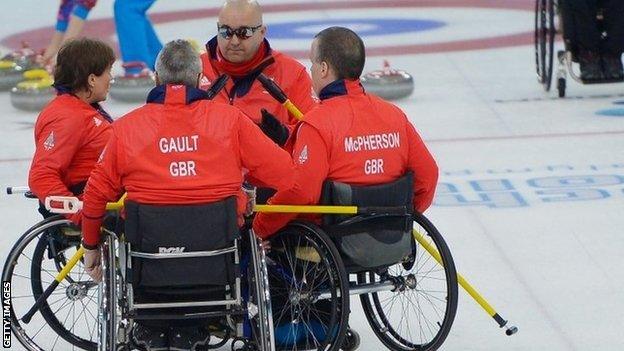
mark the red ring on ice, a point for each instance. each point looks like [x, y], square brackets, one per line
[104, 28]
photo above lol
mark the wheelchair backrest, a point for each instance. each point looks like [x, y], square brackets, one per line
[182, 229]
[371, 240]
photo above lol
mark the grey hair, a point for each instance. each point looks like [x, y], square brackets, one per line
[178, 63]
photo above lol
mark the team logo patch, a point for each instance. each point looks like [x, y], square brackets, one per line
[303, 156]
[48, 144]
[97, 121]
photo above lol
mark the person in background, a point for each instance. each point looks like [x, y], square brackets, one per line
[599, 50]
[138, 41]
[70, 20]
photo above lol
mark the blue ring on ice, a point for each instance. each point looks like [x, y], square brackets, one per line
[362, 26]
[619, 102]
[612, 112]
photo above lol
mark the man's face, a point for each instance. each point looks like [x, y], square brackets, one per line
[233, 48]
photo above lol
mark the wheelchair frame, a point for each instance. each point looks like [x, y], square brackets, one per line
[118, 308]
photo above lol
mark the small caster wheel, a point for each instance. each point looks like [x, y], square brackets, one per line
[351, 341]
[561, 87]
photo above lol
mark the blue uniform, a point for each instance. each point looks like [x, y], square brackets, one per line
[138, 41]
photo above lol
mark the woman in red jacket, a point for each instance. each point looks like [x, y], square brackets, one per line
[72, 130]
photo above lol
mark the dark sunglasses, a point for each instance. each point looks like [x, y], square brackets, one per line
[242, 32]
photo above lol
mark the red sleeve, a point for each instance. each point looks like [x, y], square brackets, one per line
[265, 161]
[425, 170]
[300, 95]
[104, 186]
[56, 144]
[312, 167]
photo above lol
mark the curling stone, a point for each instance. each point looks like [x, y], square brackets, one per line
[133, 87]
[33, 93]
[388, 83]
[13, 66]
[10, 74]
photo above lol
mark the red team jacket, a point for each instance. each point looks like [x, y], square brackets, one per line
[354, 138]
[69, 136]
[250, 96]
[181, 149]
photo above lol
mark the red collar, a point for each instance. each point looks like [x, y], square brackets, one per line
[238, 70]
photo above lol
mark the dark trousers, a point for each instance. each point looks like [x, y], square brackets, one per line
[581, 29]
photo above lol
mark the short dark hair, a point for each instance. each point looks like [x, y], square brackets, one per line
[343, 50]
[79, 58]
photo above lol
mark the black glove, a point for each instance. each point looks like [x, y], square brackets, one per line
[273, 128]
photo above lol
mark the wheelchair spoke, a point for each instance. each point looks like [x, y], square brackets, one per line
[29, 279]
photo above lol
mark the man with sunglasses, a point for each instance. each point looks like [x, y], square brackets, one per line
[241, 51]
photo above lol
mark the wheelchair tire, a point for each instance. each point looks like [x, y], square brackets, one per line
[107, 298]
[425, 298]
[262, 322]
[29, 265]
[309, 289]
[544, 41]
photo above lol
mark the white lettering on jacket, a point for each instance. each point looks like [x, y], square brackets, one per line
[178, 144]
[372, 142]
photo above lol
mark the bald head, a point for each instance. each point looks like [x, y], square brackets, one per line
[237, 14]
[241, 11]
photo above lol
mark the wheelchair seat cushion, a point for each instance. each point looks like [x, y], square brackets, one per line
[370, 241]
[182, 229]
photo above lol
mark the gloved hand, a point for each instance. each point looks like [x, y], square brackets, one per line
[273, 128]
[93, 264]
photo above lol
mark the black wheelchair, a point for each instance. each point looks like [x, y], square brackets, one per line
[549, 24]
[400, 267]
[185, 263]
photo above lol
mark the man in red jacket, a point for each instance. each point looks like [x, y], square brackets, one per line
[351, 136]
[179, 148]
[241, 51]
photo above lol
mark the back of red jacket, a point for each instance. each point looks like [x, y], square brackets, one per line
[354, 138]
[69, 137]
[182, 149]
[246, 92]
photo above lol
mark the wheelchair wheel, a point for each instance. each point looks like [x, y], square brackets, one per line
[544, 41]
[262, 319]
[67, 319]
[309, 289]
[419, 312]
[108, 313]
